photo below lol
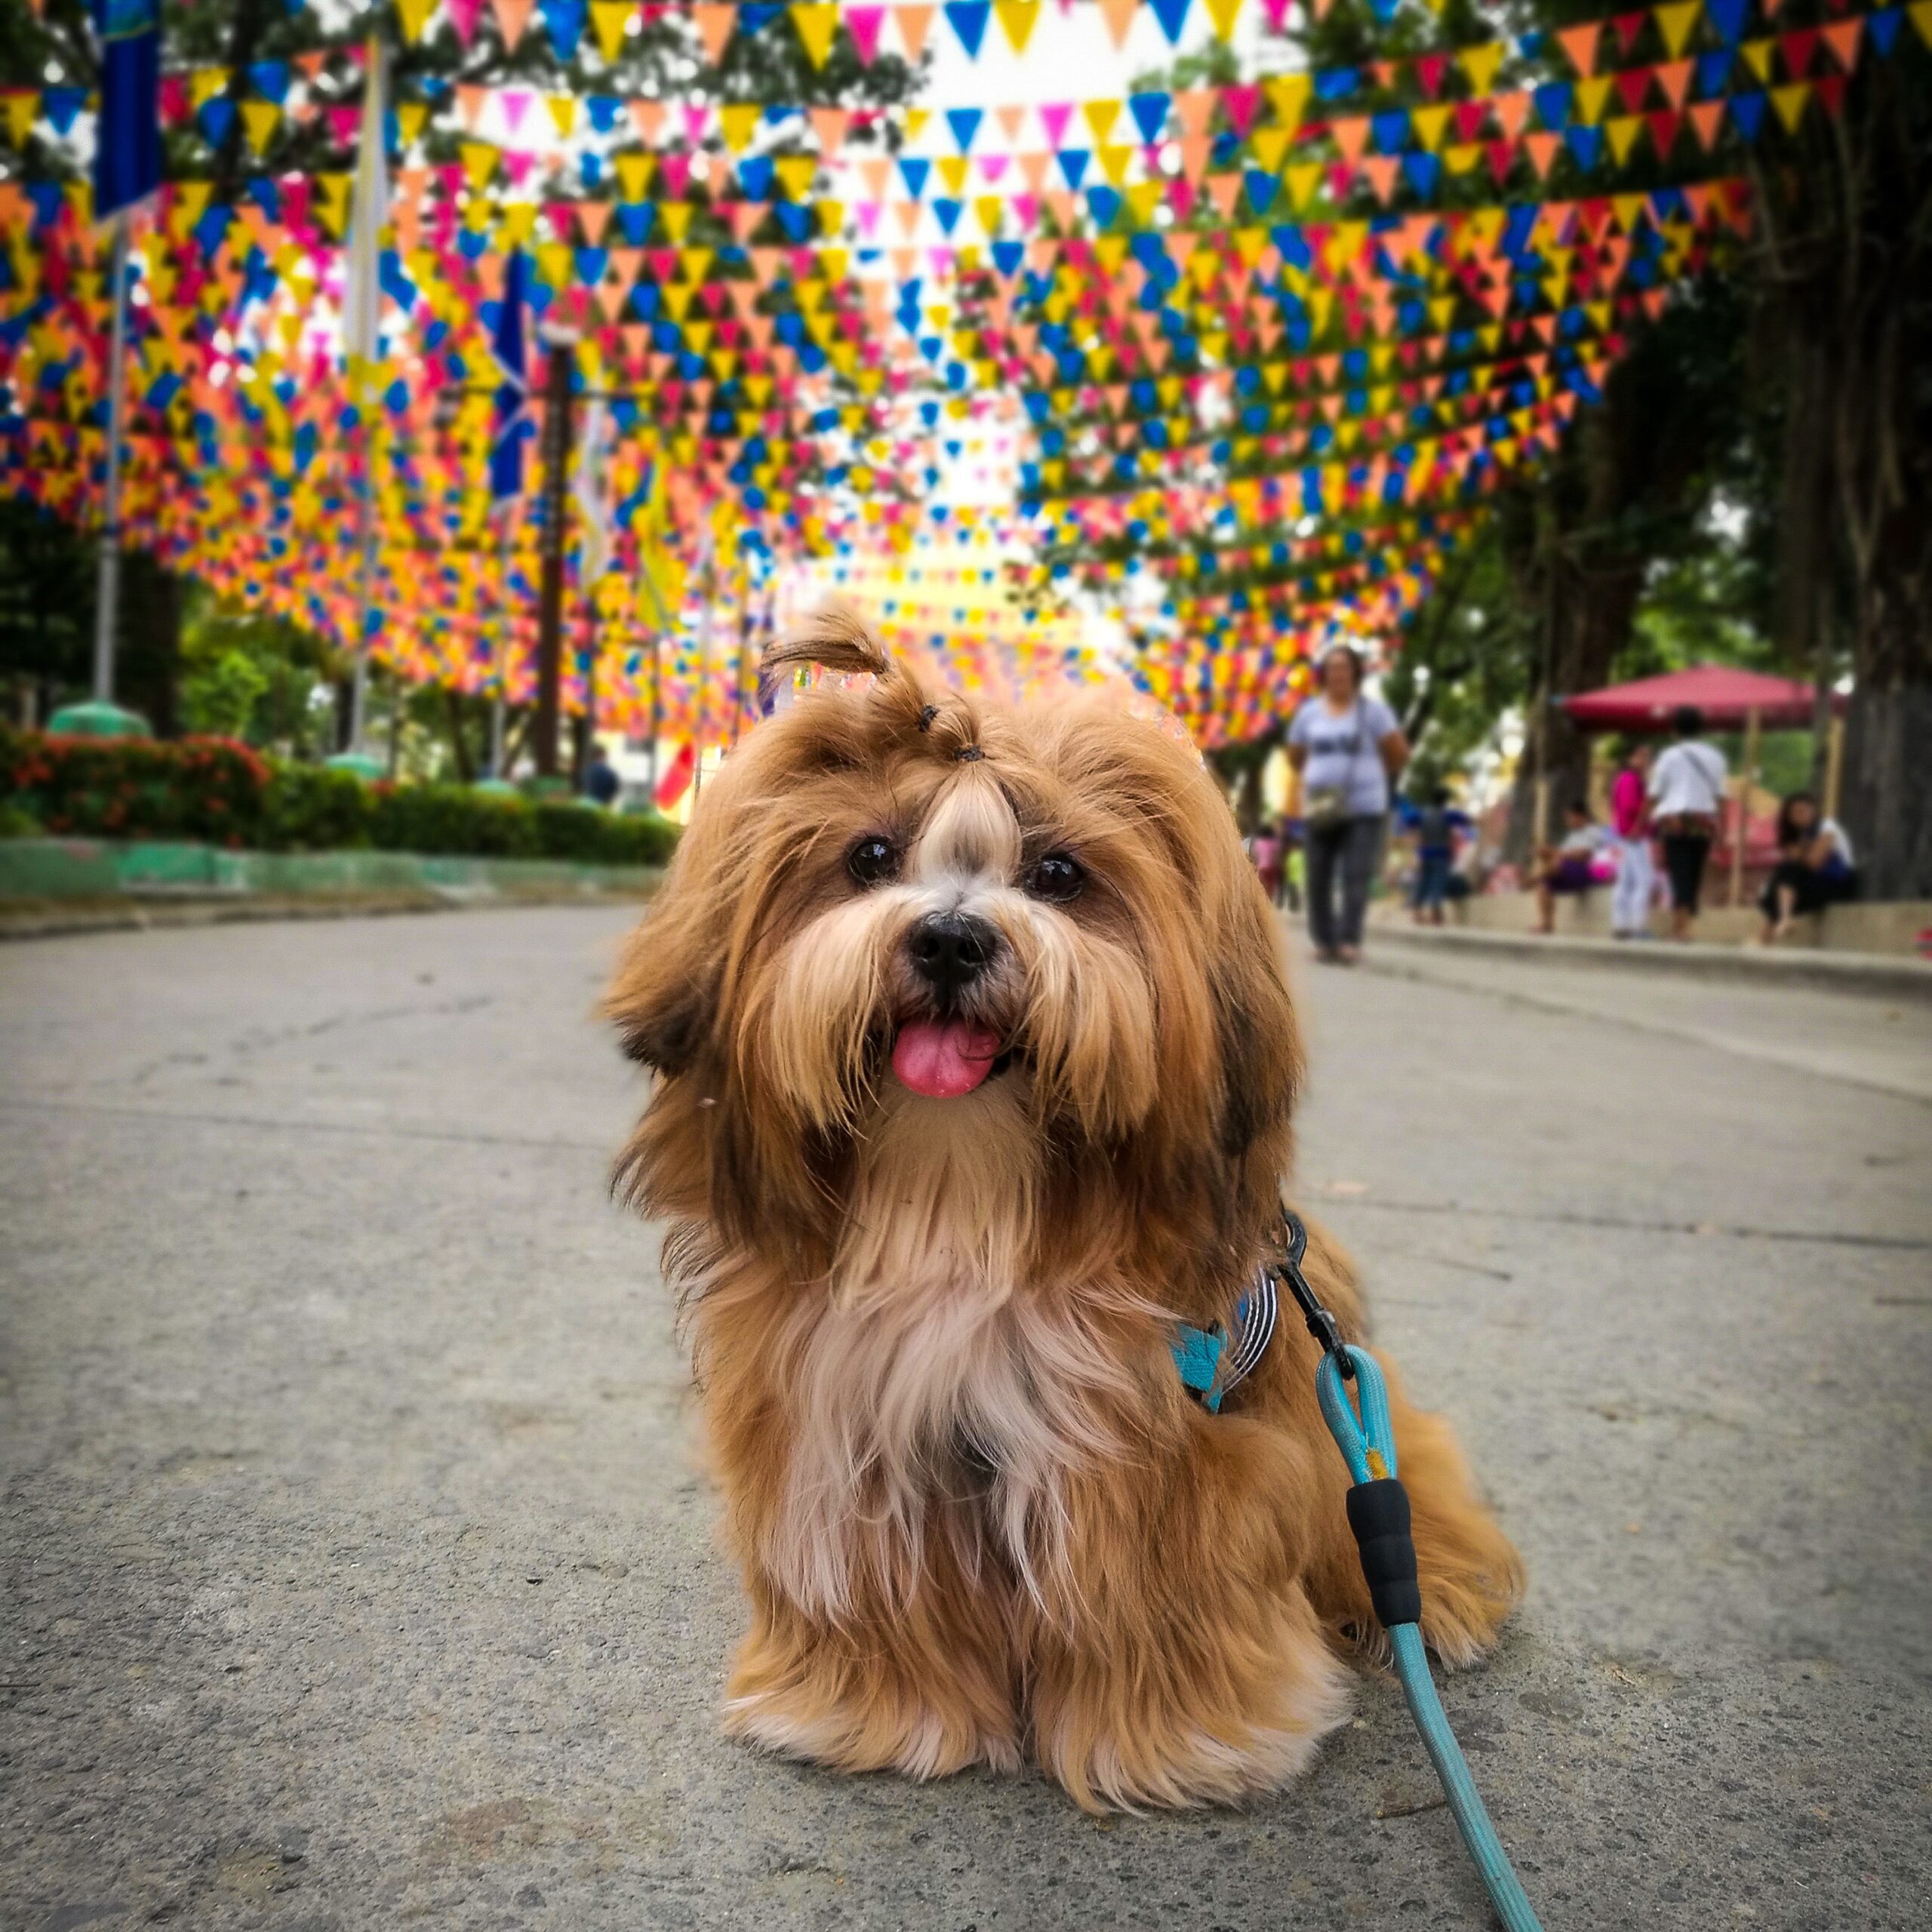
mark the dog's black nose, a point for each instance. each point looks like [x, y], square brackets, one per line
[952, 950]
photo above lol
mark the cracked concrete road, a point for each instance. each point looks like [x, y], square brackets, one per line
[356, 1571]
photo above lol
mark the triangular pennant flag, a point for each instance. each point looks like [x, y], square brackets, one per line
[1017, 19]
[1172, 16]
[1119, 14]
[816, 25]
[967, 20]
[412, 15]
[512, 17]
[1580, 45]
[914, 24]
[715, 26]
[1675, 23]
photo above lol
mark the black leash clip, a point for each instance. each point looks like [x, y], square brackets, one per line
[1321, 1323]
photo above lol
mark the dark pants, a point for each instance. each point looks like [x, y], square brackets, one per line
[1811, 890]
[1348, 849]
[1683, 856]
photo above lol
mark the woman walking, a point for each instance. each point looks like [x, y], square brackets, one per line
[1349, 750]
[1686, 806]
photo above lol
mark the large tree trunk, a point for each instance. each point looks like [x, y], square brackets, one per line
[148, 658]
[1886, 801]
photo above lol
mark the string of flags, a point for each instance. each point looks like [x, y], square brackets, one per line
[1169, 356]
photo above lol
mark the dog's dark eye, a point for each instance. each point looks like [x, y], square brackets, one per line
[873, 860]
[1057, 876]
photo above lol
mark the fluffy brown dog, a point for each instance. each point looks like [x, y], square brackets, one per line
[976, 1060]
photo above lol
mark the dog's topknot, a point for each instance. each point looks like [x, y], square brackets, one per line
[836, 636]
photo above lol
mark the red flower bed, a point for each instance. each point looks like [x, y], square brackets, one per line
[207, 789]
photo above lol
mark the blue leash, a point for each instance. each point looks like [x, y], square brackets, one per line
[1379, 1514]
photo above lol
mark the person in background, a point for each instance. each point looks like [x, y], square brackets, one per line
[1348, 750]
[1687, 800]
[1814, 868]
[1570, 868]
[1288, 891]
[1629, 825]
[600, 782]
[1436, 827]
[1265, 847]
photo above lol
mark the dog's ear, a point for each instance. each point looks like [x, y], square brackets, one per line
[1254, 1019]
[666, 990]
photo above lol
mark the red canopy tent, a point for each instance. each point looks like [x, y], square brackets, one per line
[1727, 698]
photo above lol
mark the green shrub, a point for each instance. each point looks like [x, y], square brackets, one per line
[310, 808]
[451, 819]
[224, 794]
[209, 789]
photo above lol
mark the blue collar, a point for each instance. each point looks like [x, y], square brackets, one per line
[1199, 1353]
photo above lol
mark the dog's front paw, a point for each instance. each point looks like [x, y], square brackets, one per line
[815, 1697]
[1129, 1746]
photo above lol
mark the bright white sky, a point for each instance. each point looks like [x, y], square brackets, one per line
[1071, 56]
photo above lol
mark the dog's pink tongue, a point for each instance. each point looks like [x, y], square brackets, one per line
[944, 1059]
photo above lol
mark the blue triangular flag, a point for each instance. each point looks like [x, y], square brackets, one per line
[968, 19]
[1150, 114]
[1172, 15]
[564, 20]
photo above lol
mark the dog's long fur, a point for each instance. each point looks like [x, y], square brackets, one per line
[978, 1517]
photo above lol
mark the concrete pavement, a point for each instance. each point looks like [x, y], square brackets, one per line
[357, 1573]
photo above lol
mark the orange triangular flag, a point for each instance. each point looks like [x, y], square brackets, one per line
[1119, 15]
[914, 23]
[714, 25]
[1581, 44]
[512, 17]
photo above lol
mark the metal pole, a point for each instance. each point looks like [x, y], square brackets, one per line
[358, 696]
[1747, 779]
[498, 705]
[708, 591]
[108, 601]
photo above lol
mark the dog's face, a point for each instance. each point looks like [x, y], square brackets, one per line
[933, 982]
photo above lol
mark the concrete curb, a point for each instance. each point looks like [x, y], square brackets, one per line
[54, 887]
[1860, 972]
[66, 918]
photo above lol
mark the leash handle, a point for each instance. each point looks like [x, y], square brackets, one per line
[1379, 1514]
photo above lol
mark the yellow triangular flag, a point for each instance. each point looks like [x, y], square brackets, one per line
[1790, 103]
[609, 18]
[1675, 22]
[1223, 13]
[1287, 94]
[261, 118]
[737, 121]
[1481, 63]
[1017, 19]
[815, 26]
[414, 15]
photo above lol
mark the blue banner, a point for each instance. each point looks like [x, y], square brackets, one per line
[511, 425]
[127, 165]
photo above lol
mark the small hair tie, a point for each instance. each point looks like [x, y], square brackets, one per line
[968, 754]
[928, 712]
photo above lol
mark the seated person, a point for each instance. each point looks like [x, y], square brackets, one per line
[1570, 868]
[1814, 868]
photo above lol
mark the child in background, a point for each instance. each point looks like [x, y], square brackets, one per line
[1436, 855]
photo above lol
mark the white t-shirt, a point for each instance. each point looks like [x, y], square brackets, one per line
[1830, 828]
[1345, 751]
[1688, 778]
